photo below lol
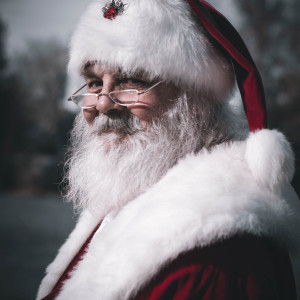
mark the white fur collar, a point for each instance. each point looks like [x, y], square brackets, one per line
[241, 187]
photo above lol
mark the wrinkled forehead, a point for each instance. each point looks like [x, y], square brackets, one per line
[94, 68]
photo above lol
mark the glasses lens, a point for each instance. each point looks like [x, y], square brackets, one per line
[85, 100]
[124, 97]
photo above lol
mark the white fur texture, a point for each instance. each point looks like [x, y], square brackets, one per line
[204, 198]
[270, 159]
[159, 37]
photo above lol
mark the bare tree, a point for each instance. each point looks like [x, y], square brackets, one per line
[37, 123]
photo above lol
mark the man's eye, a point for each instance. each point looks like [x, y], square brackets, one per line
[95, 84]
[132, 82]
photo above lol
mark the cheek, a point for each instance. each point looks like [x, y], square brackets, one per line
[147, 112]
[89, 115]
[144, 114]
[152, 105]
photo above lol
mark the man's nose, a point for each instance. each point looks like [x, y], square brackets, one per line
[104, 103]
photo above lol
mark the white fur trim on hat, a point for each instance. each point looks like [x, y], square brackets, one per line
[159, 37]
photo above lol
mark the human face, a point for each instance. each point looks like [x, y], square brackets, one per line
[150, 105]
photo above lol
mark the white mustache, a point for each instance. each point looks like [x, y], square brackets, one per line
[120, 123]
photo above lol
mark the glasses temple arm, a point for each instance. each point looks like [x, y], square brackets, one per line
[151, 87]
[70, 98]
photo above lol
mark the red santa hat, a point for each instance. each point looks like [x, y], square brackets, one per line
[187, 42]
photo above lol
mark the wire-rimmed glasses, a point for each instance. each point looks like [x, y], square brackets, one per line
[122, 97]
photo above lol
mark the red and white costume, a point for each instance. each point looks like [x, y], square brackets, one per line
[199, 233]
[219, 224]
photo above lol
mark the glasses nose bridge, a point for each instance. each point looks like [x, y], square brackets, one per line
[104, 100]
[108, 85]
[101, 94]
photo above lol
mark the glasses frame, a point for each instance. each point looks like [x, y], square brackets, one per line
[111, 93]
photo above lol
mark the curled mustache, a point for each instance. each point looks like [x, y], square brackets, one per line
[118, 122]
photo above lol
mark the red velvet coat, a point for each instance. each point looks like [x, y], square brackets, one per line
[244, 267]
[238, 268]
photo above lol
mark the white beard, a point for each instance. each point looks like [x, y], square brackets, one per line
[112, 162]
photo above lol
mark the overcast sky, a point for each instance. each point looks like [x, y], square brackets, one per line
[40, 19]
[45, 19]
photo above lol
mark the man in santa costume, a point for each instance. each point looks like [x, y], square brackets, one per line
[181, 197]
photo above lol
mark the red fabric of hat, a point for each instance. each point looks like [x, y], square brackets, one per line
[247, 75]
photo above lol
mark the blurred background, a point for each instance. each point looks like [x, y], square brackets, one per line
[35, 120]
